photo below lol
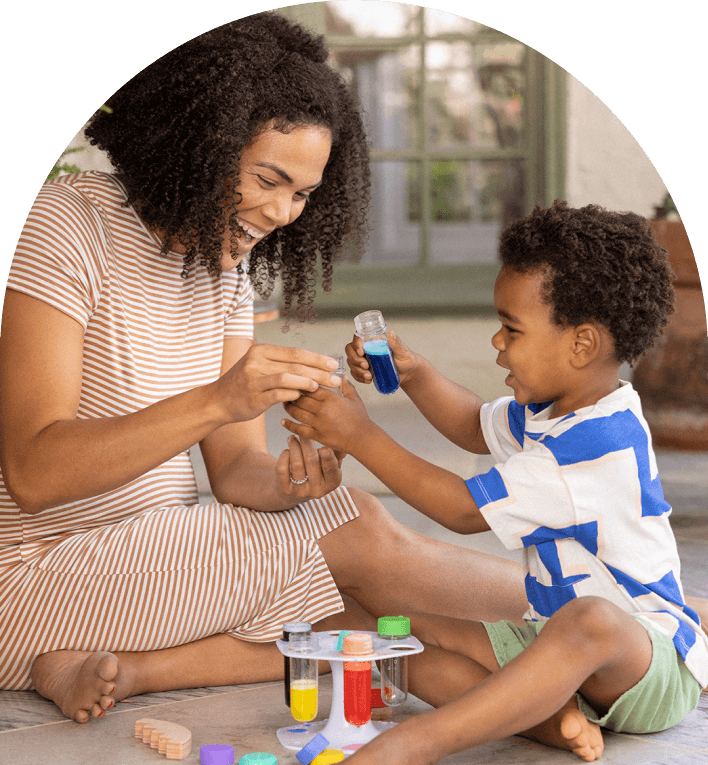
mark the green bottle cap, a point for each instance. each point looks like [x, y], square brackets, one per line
[394, 626]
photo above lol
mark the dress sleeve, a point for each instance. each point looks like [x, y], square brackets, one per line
[60, 256]
[239, 311]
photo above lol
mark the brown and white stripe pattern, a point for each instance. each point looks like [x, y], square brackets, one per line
[144, 566]
[169, 577]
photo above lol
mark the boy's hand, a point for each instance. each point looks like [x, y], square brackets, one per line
[332, 419]
[403, 357]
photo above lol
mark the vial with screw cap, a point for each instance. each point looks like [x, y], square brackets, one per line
[289, 627]
[371, 328]
[394, 671]
[303, 676]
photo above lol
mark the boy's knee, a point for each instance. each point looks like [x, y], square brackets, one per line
[592, 618]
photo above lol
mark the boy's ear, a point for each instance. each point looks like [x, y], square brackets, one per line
[587, 342]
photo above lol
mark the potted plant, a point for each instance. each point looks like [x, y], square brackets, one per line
[672, 377]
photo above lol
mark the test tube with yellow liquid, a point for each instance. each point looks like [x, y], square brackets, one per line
[303, 676]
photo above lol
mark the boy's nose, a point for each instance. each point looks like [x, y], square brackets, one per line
[498, 341]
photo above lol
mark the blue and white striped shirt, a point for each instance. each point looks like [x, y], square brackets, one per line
[581, 496]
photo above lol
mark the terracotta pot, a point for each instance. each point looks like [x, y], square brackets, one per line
[672, 377]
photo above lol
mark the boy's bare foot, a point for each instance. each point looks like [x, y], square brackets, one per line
[569, 729]
[82, 684]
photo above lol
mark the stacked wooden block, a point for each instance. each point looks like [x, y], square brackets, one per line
[170, 739]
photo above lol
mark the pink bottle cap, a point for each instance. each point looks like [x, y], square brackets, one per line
[357, 644]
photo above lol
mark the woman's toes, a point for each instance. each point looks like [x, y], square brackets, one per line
[105, 702]
[97, 711]
[82, 716]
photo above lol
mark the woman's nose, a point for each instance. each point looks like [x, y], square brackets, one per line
[279, 209]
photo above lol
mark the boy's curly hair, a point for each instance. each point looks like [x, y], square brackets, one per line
[178, 128]
[601, 266]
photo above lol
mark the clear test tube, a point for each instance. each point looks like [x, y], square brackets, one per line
[394, 671]
[303, 676]
[288, 628]
[339, 358]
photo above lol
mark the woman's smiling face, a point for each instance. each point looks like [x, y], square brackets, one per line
[278, 172]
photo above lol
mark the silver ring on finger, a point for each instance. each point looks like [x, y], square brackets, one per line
[298, 483]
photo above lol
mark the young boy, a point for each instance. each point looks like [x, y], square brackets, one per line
[608, 639]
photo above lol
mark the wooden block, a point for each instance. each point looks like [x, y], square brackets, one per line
[170, 739]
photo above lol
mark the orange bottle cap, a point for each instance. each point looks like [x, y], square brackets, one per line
[357, 644]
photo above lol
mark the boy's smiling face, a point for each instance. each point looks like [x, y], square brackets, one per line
[536, 351]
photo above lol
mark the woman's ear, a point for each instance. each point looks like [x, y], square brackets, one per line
[587, 343]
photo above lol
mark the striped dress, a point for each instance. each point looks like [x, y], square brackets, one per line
[144, 567]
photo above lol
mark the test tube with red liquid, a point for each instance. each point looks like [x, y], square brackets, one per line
[357, 678]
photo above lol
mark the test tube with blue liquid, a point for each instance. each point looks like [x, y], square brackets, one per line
[371, 328]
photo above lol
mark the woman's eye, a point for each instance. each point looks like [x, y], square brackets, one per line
[302, 197]
[266, 182]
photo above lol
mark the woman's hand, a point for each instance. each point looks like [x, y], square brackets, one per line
[306, 472]
[270, 374]
[403, 357]
[332, 419]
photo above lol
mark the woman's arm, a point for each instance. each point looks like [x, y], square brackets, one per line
[450, 408]
[49, 457]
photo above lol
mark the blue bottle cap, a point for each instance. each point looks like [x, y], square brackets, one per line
[316, 746]
[216, 754]
[258, 758]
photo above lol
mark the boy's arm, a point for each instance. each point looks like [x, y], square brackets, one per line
[341, 422]
[450, 408]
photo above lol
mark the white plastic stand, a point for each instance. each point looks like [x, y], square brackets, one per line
[338, 732]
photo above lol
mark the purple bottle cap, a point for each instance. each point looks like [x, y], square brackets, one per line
[216, 754]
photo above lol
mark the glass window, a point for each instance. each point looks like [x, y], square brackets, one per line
[396, 234]
[367, 18]
[475, 95]
[387, 83]
[463, 125]
[471, 202]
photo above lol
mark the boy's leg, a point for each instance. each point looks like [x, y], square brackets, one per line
[589, 645]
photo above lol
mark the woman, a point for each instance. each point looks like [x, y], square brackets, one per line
[127, 339]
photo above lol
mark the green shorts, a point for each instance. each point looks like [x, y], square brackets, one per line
[662, 698]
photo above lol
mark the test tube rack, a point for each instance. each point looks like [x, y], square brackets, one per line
[339, 733]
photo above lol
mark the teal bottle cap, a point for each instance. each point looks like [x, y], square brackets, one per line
[258, 758]
[340, 641]
[394, 626]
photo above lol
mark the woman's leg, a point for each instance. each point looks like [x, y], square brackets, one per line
[85, 684]
[389, 569]
[375, 560]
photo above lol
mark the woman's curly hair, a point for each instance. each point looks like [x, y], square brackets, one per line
[600, 266]
[177, 129]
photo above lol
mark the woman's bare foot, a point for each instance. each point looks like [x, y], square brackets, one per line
[82, 684]
[569, 729]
